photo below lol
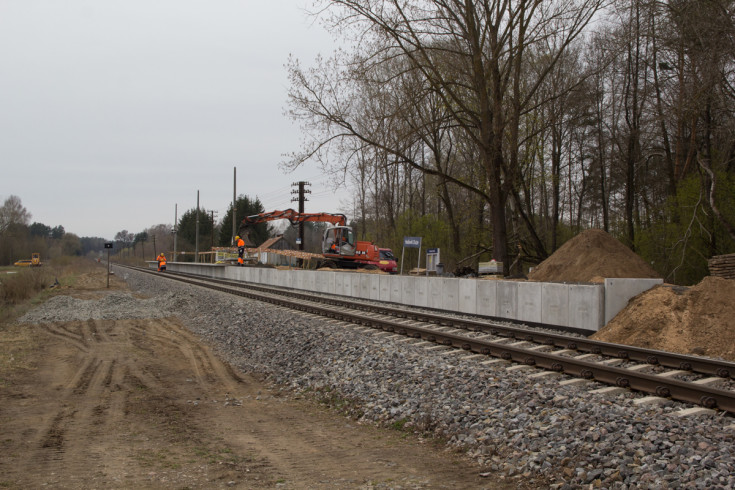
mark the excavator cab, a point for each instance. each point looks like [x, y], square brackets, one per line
[339, 240]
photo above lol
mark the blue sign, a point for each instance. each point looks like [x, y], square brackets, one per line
[432, 251]
[412, 241]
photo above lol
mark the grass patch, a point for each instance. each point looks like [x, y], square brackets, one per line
[21, 288]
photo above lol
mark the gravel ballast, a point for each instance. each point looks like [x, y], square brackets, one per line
[507, 420]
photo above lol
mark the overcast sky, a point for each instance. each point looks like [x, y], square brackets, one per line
[114, 111]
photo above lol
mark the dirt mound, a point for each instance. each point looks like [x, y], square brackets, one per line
[589, 257]
[698, 320]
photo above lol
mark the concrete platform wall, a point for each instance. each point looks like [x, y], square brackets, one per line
[580, 306]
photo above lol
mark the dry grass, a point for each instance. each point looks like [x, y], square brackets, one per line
[20, 290]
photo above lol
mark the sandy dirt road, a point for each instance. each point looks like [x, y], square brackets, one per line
[143, 403]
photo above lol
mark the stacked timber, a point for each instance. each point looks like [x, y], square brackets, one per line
[722, 266]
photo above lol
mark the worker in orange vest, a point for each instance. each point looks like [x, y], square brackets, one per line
[161, 262]
[240, 250]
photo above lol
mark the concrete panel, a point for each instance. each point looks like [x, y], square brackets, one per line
[288, 278]
[529, 301]
[421, 290]
[298, 280]
[355, 285]
[364, 286]
[586, 306]
[619, 291]
[374, 288]
[396, 289]
[346, 287]
[339, 282]
[450, 294]
[555, 300]
[408, 286]
[310, 280]
[468, 296]
[487, 301]
[436, 294]
[384, 287]
[329, 282]
[507, 296]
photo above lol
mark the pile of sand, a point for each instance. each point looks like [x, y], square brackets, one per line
[589, 257]
[699, 320]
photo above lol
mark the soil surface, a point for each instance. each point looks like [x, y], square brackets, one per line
[591, 256]
[143, 403]
[697, 321]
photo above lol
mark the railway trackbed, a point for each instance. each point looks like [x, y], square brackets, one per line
[700, 381]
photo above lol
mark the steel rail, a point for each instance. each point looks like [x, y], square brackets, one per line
[710, 367]
[649, 383]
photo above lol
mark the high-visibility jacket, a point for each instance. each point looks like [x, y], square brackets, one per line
[240, 243]
[161, 260]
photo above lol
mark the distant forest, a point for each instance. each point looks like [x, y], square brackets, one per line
[500, 129]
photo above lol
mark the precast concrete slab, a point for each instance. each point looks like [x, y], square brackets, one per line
[435, 292]
[289, 278]
[468, 296]
[487, 301]
[421, 291]
[529, 301]
[355, 285]
[555, 300]
[338, 282]
[310, 280]
[298, 281]
[329, 284]
[450, 293]
[586, 306]
[408, 290]
[364, 287]
[396, 289]
[374, 282]
[343, 284]
[385, 288]
[507, 295]
[618, 291]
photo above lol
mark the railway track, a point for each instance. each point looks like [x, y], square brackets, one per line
[700, 381]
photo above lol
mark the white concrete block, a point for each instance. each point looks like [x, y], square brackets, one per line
[449, 294]
[355, 285]
[338, 282]
[421, 290]
[329, 280]
[487, 292]
[408, 286]
[374, 282]
[310, 280]
[364, 286]
[396, 289]
[555, 301]
[436, 294]
[468, 296]
[385, 288]
[529, 301]
[346, 286]
[507, 296]
[619, 291]
[586, 306]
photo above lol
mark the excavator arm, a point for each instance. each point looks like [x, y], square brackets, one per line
[292, 216]
[295, 217]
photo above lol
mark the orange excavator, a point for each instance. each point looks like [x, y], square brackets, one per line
[339, 247]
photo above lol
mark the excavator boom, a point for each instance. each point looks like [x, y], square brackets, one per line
[295, 217]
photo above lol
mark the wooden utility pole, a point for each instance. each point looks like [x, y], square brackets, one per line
[301, 199]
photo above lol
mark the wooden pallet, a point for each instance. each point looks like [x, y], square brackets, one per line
[722, 266]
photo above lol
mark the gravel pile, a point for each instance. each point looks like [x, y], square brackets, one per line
[526, 428]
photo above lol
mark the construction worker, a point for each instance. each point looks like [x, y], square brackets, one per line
[161, 262]
[240, 250]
